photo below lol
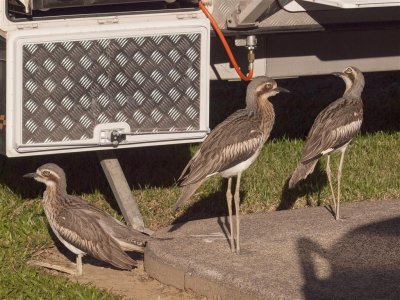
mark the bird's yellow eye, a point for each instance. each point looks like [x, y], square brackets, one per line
[269, 85]
[46, 173]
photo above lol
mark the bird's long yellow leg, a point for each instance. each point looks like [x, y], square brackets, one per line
[329, 174]
[229, 201]
[339, 176]
[79, 264]
[237, 209]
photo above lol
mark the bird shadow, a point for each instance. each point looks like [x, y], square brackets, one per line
[211, 206]
[312, 184]
[223, 222]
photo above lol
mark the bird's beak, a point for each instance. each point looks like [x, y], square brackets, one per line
[30, 175]
[338, 74]
[281, 90]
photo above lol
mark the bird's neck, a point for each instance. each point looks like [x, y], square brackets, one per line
[354, 90]
[258, 103]
[263, 108]
[52, 193]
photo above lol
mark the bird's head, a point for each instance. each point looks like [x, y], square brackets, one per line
[50, 174]
[263, 87]
[351, 76]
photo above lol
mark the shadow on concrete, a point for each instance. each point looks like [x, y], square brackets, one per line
[223, 222]
[212, 205]
[313, 183]
[364, 264]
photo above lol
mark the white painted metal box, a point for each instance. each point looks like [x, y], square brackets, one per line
[77, 87]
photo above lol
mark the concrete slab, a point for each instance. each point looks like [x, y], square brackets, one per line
[296, 254]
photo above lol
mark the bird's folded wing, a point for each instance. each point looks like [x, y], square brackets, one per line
[109, 224]
[335, 126]
[231, 142]
[82, 230]
[122, 232]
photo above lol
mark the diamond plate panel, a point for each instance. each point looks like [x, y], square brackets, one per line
[152, 83]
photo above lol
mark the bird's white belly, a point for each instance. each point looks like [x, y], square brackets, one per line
[239, 168]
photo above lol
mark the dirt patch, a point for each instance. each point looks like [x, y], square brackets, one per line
[135, 284]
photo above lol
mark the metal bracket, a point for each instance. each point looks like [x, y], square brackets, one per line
[117, 137]
[113, 135]
[247, 13]
[250, 42]
[121, 190]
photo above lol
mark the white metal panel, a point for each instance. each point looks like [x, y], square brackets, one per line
[16, 40]
[355, 3]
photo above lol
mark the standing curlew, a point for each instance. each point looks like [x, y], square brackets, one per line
[333, 130]
[233, 146]
[84, 228]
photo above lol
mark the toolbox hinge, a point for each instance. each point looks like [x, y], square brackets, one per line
[187, 16]
[110, 20]
[28, 26]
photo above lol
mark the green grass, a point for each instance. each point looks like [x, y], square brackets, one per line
[370, 172]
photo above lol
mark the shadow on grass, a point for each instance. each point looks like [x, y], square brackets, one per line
[312, 184]
[212, 205]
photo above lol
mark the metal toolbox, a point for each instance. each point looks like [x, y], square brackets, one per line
[94, 87]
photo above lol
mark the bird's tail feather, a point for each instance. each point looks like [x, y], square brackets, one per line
[118, 258]
[187, 192]
[301, 172]
[123, 261]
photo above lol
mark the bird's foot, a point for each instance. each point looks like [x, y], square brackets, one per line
[54, 267]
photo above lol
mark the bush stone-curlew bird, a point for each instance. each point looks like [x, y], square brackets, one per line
[84, 228]
[333, 130]
[232, 147]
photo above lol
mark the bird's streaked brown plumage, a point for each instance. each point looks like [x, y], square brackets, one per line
[234, 140]
[83, 228]
[235, 143]
[334, 127]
